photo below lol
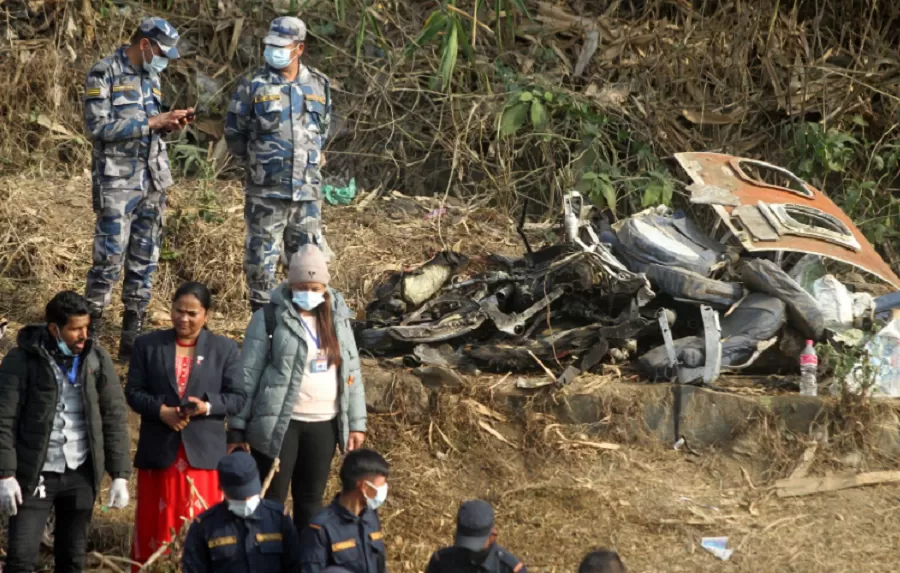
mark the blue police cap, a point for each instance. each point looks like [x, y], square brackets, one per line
[238, 476]
[474, 525]
[163, 33]
[284, 31]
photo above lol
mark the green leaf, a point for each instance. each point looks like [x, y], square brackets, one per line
[652, 194]
[526, 96]
[538, 114]
[548, 97]
[465, 43]
[858, 120]
[361, 34]
[608, 192]
[448, 60]
[513, 118]
[435, 23]
[589, 176]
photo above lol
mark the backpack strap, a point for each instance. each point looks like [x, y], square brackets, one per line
[269, 316]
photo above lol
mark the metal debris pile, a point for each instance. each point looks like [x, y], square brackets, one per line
[654, 290]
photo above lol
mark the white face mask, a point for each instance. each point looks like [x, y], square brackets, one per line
[307, 300]
[243, 507]
[380, 496]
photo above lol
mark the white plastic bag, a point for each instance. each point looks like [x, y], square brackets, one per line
[884, 361]
[841, 308]
[835, 302]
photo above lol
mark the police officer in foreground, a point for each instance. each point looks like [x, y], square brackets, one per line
[277, 124]
[123, 111]
[347, 533]
[243, 533]
[475, 548]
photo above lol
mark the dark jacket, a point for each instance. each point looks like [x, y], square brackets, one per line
[459, 560]
[220, 541]
[28, 400]
[338, 537]
[216, 377]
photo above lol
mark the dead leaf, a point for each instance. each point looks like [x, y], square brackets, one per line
[706, 117]
[588, 50]
[484, 410]
[490, 430]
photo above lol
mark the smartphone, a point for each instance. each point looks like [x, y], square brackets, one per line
[187, 407]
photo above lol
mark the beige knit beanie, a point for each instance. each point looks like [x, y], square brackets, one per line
[308, 266]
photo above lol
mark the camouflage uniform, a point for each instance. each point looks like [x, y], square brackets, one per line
[130, 173]
[279, 128]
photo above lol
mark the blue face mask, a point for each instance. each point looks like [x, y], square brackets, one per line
[278, 58]
[63, 348]
[156, 64]
[307, 300]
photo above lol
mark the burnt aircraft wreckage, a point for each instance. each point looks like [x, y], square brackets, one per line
[655, 290]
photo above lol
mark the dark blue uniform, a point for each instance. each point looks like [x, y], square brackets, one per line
[220, 541]
[338, 537]
[459, 560]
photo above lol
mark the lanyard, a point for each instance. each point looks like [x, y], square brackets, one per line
[309, 331]
[72, 373]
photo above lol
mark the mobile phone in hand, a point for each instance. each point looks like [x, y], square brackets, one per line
[187, 408]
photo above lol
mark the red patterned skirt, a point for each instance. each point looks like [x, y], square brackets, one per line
[165, 501]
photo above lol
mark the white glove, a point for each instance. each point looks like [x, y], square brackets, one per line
[118, 494]
[10, 496]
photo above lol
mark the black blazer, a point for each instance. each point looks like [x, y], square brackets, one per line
[216, 377]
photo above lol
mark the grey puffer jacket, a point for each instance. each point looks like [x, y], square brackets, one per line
[272, 388]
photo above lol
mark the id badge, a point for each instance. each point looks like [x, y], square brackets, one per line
[319, 365]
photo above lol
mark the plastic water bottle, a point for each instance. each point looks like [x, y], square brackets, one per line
[809, 364]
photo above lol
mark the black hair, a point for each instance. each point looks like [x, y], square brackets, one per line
[360, 464]
[601, 561]
[65, 305]
[198, 290]
[140, 35]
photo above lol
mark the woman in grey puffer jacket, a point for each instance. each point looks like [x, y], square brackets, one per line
[304, 386]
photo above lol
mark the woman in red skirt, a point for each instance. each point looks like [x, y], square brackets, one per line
[183, 382]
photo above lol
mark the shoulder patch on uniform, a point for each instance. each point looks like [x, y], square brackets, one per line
[350, 380]
[124, 87]
[263, 537]
[315, 527]
[376, 535]
[222, 541]
[157, 92]
[265, 98]
[100, 67]
[316, 98]
[343, 545]
[93, 92]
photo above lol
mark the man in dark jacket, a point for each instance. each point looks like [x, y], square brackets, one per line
[243, 534]
[475, 548]
[62, 425]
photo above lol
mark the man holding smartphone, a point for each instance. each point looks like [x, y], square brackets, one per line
[130, 172]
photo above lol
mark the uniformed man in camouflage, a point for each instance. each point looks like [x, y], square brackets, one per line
[130, 169]
[277, 124]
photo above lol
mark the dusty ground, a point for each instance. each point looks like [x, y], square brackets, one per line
[651, 503]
